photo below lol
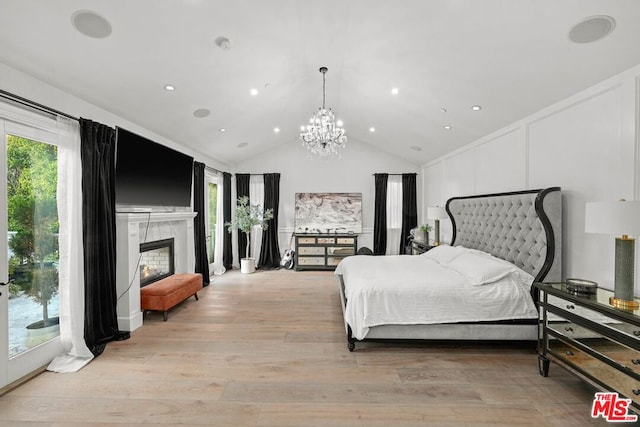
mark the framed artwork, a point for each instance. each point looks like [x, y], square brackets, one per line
[328, 213]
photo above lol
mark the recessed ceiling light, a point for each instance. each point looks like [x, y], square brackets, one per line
[339, 123]
[372, 129]
[222, 130]
[476, 108]
[223, 43]
[592, 29]
[416, 148]
[243, 144]
[254, 92]
[395, 91]
[201, 112]
[447, 127]
[91, 24]
[276, 129]
[169, 88]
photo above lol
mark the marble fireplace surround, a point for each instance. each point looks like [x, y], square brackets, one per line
[133, 228]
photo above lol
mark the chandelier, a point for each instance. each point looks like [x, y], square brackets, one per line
[323, 136]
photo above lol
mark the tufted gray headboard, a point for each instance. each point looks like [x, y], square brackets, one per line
[524, 228]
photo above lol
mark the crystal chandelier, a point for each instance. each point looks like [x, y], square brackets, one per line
[323, 136]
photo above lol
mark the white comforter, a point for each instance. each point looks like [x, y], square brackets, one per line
[444, 285]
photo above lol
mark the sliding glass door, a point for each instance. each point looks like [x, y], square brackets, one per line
[29, 250]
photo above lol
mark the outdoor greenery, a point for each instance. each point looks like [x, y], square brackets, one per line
[247, 217]
[33, 219]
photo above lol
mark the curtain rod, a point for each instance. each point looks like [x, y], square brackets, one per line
[399, 174]
[213, 169]
[35, 105]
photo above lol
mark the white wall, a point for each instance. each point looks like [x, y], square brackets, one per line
[586, 144]
[28, 87]
[353, 172]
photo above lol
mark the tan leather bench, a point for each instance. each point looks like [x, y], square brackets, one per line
[169, 292]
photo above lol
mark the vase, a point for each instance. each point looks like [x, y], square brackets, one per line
[247, 265]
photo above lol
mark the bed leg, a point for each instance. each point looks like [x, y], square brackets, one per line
[351, 342]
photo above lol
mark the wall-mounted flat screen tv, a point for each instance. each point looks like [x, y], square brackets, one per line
[328, 213]
[151, 174]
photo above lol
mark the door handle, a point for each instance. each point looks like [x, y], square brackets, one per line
[5, 284]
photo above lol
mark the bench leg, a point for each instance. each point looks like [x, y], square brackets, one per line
[196, 295]
[164, 315]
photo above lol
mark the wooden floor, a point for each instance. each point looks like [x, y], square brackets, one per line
[269, 349]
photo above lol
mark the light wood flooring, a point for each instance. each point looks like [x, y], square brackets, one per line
[269, 349]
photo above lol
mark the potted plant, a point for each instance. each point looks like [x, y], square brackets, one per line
[425, 229]
[249, 216]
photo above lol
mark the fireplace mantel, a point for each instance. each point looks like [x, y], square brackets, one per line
[134, 228]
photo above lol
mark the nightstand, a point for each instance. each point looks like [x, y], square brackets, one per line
[590, 338]
[419, 247]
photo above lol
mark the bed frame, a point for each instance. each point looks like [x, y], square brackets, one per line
[524, 228]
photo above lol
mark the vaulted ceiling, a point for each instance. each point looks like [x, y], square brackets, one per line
[510, 57]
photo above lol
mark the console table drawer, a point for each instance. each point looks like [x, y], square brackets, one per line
[311, 260]
[311, 250]
[625, 385]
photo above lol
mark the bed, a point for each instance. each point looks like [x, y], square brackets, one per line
[476, 288]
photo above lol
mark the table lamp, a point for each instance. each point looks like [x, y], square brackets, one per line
[437, 213]
[619, 218]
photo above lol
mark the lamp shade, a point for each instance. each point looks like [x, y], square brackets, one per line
[617, 218]
[437, 213]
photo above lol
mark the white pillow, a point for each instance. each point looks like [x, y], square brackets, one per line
[444, 254]
[482, 268]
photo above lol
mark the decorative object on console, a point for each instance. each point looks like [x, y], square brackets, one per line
[249, 216]
[323, 136]
[619, 218]
[437, 213]
[581, 287]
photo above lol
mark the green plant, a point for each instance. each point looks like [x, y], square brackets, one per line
[426, 228]
[249, 216]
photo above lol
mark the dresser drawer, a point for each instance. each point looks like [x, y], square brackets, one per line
[341, 251]
[311, 250]
[625, 385]
[326, 240]
[306, 240]
[345, 240]
[334, 260]
[310, 260]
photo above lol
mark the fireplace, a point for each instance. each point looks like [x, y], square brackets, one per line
[156, 261]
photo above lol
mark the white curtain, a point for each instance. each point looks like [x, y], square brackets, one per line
[394, 214]
[256, 197]
[217, 267]
[71, 266]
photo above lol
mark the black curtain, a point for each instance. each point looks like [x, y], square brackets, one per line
[380, 214]
[227, 250]
[242, 189]
[199, 223]
[99, 235]
[270, 250]
[409, 207]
